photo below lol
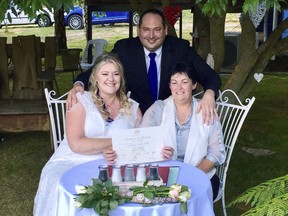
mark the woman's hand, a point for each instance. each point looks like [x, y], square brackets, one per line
[167, 152]
[110, 155]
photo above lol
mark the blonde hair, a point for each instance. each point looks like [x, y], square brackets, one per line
[120, 94]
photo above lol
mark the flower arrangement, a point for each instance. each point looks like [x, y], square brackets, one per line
[104, 196]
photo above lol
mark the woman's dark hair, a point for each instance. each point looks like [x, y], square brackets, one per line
[184, 67]
[155, 12]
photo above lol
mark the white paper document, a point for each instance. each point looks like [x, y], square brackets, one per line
[139, 145]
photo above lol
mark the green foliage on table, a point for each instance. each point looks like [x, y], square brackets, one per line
[101, 196]
[150, 191]
[104, 196]
[151, 194]
[269, 198]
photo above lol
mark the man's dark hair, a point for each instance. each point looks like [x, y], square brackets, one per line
[153, 11]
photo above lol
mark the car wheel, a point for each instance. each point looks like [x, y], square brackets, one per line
[75, 22]
[135, 18]
[43, 20]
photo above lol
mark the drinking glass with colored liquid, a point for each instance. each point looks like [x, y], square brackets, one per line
[103, 173]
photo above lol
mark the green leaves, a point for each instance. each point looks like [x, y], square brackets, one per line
[104, 196]
[212, 7]
[219, 7]
[269, 198]
[101, 196]
[160, 194]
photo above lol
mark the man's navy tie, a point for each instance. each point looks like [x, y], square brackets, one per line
[152, 76]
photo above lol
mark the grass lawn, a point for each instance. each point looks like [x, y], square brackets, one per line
[22, 155]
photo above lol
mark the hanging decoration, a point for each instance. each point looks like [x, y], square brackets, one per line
[257, 15]
[258, 77]
[210, 60]
[172, 14]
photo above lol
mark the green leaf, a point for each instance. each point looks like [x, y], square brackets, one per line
[183, 207]
[108, 183]
[88, 201]
[163, 188]
[148, 194]
[122, 201]
[97, 208]
[137, 189]
[104, 203]
[113, 204]
[245, 7]
[96, 182]
[184, 188]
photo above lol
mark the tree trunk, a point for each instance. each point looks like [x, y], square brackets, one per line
[60, 30]
[201, 38]
[85, 19]
[248, 56]
[217, 29]
[254, 60]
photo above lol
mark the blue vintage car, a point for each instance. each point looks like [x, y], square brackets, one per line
[74, 19]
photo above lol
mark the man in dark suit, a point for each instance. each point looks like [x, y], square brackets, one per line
[134, 55]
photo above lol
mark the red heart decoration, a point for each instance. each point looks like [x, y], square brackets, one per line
[172, 14]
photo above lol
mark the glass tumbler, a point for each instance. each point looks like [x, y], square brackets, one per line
[129, 173]
[103, 173]
[141, 173]
[153, 172]
[116, 174]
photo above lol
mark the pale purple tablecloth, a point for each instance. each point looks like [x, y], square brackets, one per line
[200, 204]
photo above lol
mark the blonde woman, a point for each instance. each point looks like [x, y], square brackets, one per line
[89, 124]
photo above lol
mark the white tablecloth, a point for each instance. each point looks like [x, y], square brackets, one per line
[200, 204]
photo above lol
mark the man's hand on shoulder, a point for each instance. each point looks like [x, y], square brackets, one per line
[208, 107]
[71, 98]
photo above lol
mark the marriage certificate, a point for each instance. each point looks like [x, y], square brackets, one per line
[138, 145]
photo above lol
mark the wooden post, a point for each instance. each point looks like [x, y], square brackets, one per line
[4, 78]
[50, 52]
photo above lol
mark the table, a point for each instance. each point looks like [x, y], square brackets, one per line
[200, 204]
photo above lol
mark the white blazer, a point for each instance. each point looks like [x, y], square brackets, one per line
[201, 136]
